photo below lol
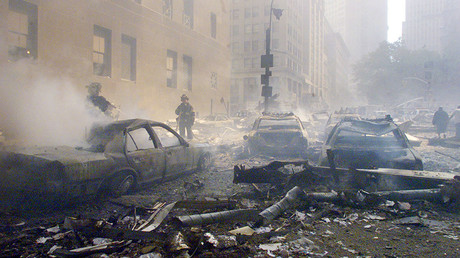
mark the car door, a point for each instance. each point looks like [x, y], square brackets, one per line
[179, 159]
[146, 158]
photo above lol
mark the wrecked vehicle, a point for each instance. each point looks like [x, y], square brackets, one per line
[122, 156]
[215, 120]
[278, 134]
[336, 118]
[376, 143]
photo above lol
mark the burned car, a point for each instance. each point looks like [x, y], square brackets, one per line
[376, 143]
[278, 135]
[122, 156]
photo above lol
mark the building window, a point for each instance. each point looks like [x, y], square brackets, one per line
[138, 1]
[255, 28]
[128, 58]
[22, 30]
[236, 14]
[247, 46]
[167, 8]
[171, 69]
[267, 10]
[255, 11]
[235, 47]
[102, 51]
[275, 43]
[250, 90]
[247, 29]
[236, 30]
[213, 25]
[255, 45]
[234, 91]
[247, 13]
[214, 80]
[187, 16]
[247, 63]
[188, 64]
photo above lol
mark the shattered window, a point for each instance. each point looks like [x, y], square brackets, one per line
[278, 124]
[187, 16]
[359, 139]
[213, 25]
[214, 80]
[167, 138]
[22, 30]
[138, 139]
[167, 8]
[102, 48]
[171, 69]
[128, 58]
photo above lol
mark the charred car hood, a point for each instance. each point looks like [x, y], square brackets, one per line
[48, 168]
[64, 154]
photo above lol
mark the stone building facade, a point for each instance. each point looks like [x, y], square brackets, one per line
[145, 53]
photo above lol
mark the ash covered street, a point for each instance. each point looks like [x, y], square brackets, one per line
[231, 128]
[418, 227]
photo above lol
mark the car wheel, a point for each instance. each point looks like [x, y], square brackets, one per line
[205, 162]
[121, 184]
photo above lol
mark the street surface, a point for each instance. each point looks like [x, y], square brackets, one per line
[320, 229]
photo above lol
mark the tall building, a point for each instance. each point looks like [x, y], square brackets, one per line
[297, 43]
[431, 24]
[145, 53]
[422, 27]
[362, 24]
[338, 68]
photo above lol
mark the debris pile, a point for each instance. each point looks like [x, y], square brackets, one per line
[297, 223]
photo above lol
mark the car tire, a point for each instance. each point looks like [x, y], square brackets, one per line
[205, 162]
[121, 184]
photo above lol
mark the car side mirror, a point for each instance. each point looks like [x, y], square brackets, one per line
[245, 137]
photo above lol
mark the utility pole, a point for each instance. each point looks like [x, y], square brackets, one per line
[266, 61]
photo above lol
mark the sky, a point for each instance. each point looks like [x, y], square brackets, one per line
[396, 15]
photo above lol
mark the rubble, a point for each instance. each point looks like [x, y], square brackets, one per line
[281, 208]
[276, 209]
[217, 217]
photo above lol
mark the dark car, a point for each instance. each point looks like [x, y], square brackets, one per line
[376, 143]
[122, 156]
[281, 135]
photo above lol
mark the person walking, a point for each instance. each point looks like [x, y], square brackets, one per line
[186, 117]
[456, 117]
[440, 121]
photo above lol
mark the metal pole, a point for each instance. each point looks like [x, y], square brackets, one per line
[267, 52]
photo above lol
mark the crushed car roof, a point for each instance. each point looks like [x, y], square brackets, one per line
[374, 126]
[278, 116]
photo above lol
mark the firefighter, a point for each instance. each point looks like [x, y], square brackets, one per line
[186, 117]
[100, 102]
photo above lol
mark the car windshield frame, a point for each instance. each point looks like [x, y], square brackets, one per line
[356, 139]
[277, 124]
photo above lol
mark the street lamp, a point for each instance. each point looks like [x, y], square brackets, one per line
[266, 61]
[427, 84]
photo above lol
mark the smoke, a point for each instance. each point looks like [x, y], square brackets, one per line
[40, 107]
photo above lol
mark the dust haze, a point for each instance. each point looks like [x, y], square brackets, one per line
[41, 108]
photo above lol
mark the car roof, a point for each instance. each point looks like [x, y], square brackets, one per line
[368, 126]
[129, 123]
[278, 116]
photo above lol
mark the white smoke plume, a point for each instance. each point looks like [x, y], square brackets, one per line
[39, 107]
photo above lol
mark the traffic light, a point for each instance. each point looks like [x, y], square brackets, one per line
[266, 61]
[267, 91]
